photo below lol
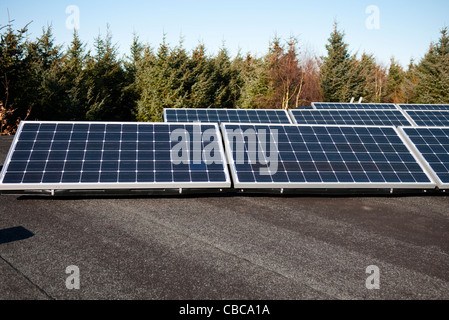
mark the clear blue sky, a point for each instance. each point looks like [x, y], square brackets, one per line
[404, 29]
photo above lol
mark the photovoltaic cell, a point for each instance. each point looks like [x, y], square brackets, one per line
[76, 155]
[360, 106]
[433, 144]
[424, 107]
[226, 115]
[302, 156]
[351, 117]
[429, 118]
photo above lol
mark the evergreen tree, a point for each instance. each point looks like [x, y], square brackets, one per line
[335, 67]
[50, 78]
[222, 76]
[180, 78]
[40, 81]
[106, 79]
[132, 90]
[160, 87]
[433, 72]
[395, 83]
[17, 88]
[365, 79]
[257, 91]
[410, 83]
[201, 85]
[75, 78]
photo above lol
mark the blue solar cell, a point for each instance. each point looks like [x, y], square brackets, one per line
[108, 176]
[52, 177]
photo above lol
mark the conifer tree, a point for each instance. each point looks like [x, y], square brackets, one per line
[433, 72]
[157, 85]
[106, 79]
[335, 67]
[50, 102]
[201, 83]
[17, 86]
[365, 79]
[75, 77]
[221, 77]
[132, 90]
[395, 83]
[410, 83]
[254, 88]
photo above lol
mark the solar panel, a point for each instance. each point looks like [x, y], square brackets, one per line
[351, 117]
[108, 155]
[424, 106]
[432, 144]
[317, 156]
[429, 118]
[226, 115]
[360, 106]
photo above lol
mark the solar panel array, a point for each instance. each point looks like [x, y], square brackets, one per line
[333, 145]
[113, 155]
[424, 106]
[360, 106]
[429, 118]
[433, 144]
[321, 157]
[226, 115]
[351, 117]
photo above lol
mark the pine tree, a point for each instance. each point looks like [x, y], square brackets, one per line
[410, 83]
[365, 79]
[106, 79]
[132, 90]
[17, 85]
[221, 77]
[395, 83]
[180, 78]
[201, 83]
[160, 87]
[143, 68]
[75, 78]
[433, 72]
[49, 72]
[256, 91]
[335, 67]
[47, 51]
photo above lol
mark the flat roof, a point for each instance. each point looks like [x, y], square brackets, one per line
[222, 246]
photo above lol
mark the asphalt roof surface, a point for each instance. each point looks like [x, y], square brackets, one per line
[214, 246]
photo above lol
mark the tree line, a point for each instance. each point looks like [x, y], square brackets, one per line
[42, 80]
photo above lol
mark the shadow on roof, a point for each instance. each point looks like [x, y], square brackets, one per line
[14, 234]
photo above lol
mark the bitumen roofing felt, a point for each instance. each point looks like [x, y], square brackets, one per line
[223, 246]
